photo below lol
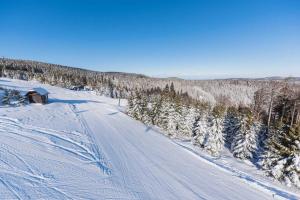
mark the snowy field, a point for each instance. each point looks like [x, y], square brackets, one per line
[82, 146]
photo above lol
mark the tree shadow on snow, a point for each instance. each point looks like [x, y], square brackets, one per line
[113, 113]
[71, 101]
[4, 81]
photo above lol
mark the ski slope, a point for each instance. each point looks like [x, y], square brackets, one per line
[82, 146]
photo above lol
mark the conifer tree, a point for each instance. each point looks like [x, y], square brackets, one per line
[172, 124]
[214, 141]
[130, 105]
[199, 131]
[13, 98]
[244, 144]
[164, 113]
[144, 109]
[155, 111]
[231, 124]
[282, 157]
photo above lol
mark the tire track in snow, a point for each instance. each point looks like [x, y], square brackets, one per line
[115, 179]
[7, 185]
[157, 165]
[100, 160]
[26, 131]
[134, 180]
[22, 172]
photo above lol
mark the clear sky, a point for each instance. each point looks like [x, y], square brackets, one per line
[202, 38]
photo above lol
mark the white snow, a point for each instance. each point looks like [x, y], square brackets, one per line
[39, 90]
[82, 146]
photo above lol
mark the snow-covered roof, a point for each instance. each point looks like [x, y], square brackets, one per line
[39, 90]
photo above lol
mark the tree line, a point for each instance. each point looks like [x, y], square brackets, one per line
[116, 84]
[266, 132]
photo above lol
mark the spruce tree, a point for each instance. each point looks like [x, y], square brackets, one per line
[145, 110]
[172, 125]
[6, 97]
[130, 105]
[164, 113]
[199, 131]
[187, 120]
[244, 143]
[155, 111]
[282, 157]
[214, 140]
[231, 123]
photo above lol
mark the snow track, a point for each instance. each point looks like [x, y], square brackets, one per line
[150, 166]
[82, 150]
[21, 178]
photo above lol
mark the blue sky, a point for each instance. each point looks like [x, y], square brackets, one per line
[224, 38]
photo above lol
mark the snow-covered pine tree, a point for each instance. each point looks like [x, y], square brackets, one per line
[13, 98]
[155, 110]
[145, 110]
[164, 113]
[261, 136]
[189, 119]
[282, 157]
[22, 100]
[214, 141]
[6, 97]
[231, 123]
[188, 115]
[138, 106]
[182, 123]
[199, 131]
[173, 118]
[200, 125]
[130, 105]
[244, 143]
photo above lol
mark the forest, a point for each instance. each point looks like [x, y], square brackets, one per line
[267, 132]
[256, 119]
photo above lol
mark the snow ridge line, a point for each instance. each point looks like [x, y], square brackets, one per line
[245, 177]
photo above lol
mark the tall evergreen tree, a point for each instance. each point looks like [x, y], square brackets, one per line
[282, 157]
[200, 129]
[244, 144]
[214, 141]
[231, 125]
[155, 111]
[172, 124]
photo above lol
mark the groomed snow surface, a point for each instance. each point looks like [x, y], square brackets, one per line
[82, 146]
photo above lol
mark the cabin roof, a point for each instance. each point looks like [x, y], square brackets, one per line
[39, 90]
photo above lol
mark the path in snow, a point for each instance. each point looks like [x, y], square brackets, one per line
[150, 166]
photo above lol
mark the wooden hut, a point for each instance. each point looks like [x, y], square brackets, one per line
[37, 95]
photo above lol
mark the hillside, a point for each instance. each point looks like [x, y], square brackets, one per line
[82, 146]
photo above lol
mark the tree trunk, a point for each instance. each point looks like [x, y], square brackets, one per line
[282, 113]
[270, 111]
[293, 113]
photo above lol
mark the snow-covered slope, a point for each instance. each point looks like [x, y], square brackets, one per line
[82, 146]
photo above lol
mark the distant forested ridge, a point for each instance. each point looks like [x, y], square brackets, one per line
[117, 84]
